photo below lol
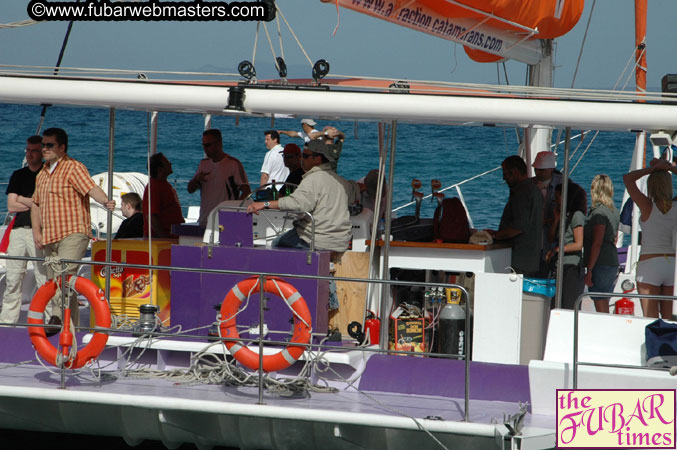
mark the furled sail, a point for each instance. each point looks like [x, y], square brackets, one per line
[490, 30]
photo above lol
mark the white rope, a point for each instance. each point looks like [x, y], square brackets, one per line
[291, 30]
[288, 305]
[270, 43]
[279, 36]
[19, 24]
[256, 42]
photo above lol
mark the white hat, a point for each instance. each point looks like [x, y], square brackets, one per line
[310, 122]
[545, 160]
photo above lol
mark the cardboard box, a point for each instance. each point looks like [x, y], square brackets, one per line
[408, 334]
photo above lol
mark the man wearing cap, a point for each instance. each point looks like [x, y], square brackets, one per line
[522, 219]
[546, 179]
[322, 193]
[273, 168]
[292, 161]
[326, 196]
[19, 192]
[307, 133]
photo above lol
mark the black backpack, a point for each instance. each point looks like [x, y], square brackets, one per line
[450, 222]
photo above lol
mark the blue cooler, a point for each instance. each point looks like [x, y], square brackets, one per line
[537, 296]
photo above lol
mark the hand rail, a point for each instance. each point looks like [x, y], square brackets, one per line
[212, 221]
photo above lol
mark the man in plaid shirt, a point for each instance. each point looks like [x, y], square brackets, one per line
[60, 213]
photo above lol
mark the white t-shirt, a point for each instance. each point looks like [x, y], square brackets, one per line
[273, 165]
[306, 138]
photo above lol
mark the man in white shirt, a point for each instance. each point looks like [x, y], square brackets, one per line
[273, 168]
[307, 132]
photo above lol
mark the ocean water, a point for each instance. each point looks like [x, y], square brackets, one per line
[450, 154]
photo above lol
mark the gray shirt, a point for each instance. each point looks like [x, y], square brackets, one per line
[577, 220]
[602, 215]
[524, 212]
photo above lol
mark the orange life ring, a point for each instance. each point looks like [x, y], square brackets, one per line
[98, 304]
[246, 357]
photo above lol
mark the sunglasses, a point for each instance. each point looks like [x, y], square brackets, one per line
[34, 150]
[48, 144]
[307, 155]
[208, 144]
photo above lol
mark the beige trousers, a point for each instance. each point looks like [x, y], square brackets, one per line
[20, 244]
[72, 246]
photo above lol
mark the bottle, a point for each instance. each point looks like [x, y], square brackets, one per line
[381, 228]
[452, 329]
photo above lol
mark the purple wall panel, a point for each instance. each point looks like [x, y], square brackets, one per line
[194, 295]
[446, 378]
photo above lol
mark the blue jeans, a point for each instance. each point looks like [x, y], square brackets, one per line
[603, 279]
[291, 239]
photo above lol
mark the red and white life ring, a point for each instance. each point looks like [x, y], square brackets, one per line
[246, 357]
[98, 304]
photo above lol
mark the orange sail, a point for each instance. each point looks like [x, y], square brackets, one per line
[490, 30]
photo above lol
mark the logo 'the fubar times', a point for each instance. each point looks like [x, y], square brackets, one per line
[603, 418]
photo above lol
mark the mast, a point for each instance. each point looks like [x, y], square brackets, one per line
[639, 155]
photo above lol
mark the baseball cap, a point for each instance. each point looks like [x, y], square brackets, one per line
[330, 151]
[545, 160]
[310, 122]
[291, 149]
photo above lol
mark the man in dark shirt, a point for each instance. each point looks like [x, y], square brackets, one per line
[19, 194]
[292, 160]
[522, 219]
[132, 226]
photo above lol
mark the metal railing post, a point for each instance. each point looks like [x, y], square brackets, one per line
[262, 296]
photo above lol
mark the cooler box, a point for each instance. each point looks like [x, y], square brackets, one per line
[130, 287]
[537, 295]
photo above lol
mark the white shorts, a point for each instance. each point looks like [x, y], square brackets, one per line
[658, 271]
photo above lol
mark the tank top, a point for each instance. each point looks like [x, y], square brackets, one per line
[657, 231]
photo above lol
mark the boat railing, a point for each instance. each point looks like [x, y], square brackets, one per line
[577, 309]
[261, 341]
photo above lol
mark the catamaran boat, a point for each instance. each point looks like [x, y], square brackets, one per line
[219, 340]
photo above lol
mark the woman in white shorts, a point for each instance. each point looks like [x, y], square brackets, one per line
[656, 266]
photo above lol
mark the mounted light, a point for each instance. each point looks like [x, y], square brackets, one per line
[661, 138]
[320, 70]
[247, 70]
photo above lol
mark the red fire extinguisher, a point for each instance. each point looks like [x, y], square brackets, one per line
[373, 326]
[625, 306]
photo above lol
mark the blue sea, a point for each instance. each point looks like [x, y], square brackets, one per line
[450, 154]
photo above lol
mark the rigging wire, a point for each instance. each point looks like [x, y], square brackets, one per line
[580, 53]
[56, 69]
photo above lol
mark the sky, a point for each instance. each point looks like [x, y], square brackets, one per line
[362, 45]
